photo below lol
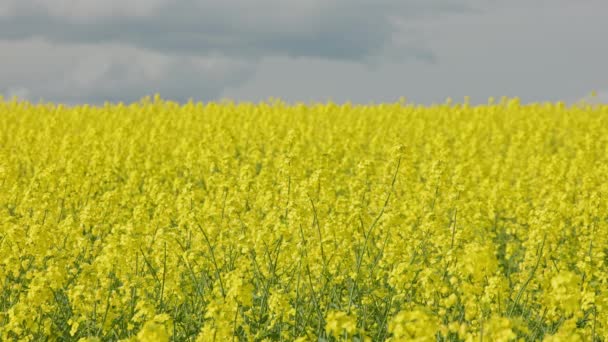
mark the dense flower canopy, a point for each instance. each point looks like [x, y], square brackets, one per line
[158, 221]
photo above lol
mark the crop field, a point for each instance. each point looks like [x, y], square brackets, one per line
[160, 221]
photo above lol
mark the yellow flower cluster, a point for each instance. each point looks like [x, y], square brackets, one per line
[159, 221]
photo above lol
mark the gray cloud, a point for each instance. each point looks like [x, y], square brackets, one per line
[112, 72]
[595, 97]
[111, 50]
[359, 50]
[542, 50]
[353, 30]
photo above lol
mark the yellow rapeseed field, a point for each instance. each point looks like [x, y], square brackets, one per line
[159, 221]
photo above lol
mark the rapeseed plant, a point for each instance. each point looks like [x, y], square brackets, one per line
[158, 221]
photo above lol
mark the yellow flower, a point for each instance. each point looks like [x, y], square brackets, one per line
[499, 329]
[252, 221]
[339, 322]
[158, 329]
[415, 325]
[567, 332]
[279, 305]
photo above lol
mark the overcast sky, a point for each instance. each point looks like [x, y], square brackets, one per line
[77, 51]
